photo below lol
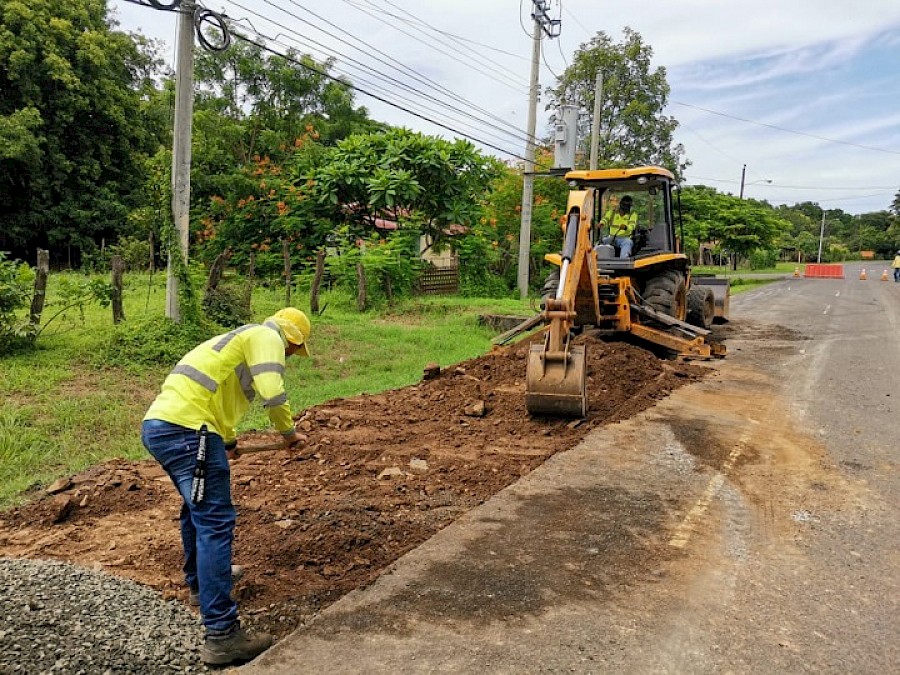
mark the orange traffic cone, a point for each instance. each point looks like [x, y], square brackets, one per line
[884, 276]
[797, 272]
[862, 275]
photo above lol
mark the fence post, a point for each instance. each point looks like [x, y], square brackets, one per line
[248, 287]
[361, 284]
[118, 268]
[317, 281]
[286, 251]
[40, 286]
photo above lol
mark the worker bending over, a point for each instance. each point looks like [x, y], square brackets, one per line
[190, 430]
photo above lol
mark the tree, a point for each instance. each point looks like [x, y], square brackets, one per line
[502, 218]
[738, 226]
[268, 100]
[71, 123]
[396, 173]
[633, 128]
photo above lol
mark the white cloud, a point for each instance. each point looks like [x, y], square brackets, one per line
[824, 67]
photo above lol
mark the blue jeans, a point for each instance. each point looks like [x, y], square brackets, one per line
[207, 528]
[624, 244]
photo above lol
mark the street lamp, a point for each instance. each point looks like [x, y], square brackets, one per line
[744, 175]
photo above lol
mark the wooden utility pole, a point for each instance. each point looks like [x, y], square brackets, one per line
[181, 150]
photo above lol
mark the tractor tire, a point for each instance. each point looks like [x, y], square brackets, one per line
[551, 285]
[667, 294]
[701, 307]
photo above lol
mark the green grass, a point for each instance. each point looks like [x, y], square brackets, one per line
[726, 271]
[64, 409]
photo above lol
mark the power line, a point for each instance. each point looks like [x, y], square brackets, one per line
[306, 66]
[503, 72]
[419, 105]
[374, 54]
[795, 187]
[453, 105]
[789, 131]
[461, 38]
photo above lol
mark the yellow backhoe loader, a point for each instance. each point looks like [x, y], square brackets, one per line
[648, 293]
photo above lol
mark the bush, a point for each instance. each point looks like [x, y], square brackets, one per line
[762, 259]
[153, 342]
[225, 306]
[16, 280]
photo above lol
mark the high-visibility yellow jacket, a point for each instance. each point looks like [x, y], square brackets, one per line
[619, 224]
[216, 381]
[896, 262]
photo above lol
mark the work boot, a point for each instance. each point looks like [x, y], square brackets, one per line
[236, 573]
[237, 646]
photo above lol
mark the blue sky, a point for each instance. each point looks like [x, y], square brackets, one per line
[806, 93]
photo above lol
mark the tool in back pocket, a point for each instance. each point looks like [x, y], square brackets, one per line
[198, 484]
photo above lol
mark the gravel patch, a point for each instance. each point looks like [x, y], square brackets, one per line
[60, 618]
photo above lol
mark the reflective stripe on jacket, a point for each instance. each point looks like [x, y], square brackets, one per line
[619, 224]
[214, 383]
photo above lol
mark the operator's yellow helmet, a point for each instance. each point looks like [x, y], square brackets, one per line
[295, 326]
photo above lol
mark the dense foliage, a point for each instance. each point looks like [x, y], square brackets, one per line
[72, 123]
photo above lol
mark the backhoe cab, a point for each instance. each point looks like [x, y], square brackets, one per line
[649, 294]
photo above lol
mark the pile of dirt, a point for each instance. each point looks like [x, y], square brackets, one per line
[379, 475]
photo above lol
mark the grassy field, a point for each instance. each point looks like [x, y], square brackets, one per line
[64, 410]
[726, 271]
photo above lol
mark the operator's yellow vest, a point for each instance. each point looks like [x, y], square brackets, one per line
[619, 224]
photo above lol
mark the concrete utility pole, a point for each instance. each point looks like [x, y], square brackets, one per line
[181, 148]
[542, 22]
[528, 178]
[821, 237]
[595, 122]
[743, 175]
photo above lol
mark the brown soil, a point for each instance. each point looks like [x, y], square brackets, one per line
[380, 474]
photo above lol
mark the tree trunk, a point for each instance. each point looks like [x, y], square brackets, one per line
[216, 271]
[118, 269]
[248, 289]
[40, 286]
[361, 284]
[388, 288]
[152, 257]
[286, 251]
[317, 281]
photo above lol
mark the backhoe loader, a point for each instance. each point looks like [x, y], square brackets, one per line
[648, 294]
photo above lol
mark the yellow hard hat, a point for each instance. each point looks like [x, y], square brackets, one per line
[295, 326]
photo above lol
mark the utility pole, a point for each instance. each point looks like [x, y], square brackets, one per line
[595, 122]
[181, 150]
[542, 22]
[821, 236]
[743, 175]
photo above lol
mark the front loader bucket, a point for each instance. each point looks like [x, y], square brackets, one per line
[556, 383]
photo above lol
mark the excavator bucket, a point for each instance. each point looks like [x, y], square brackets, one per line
[556, 382]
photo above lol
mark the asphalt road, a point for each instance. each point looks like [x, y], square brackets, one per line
[746, 524]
